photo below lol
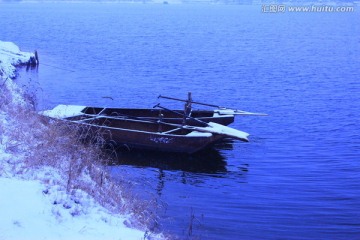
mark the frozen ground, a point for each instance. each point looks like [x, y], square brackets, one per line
[29, 210]
[35, 202]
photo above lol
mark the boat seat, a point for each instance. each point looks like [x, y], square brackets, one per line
[172, 130]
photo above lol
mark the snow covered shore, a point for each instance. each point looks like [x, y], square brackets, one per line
[45, 179]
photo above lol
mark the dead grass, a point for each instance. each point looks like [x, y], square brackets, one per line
[42, 142]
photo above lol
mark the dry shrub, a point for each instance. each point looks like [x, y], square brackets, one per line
[5, 95]
[75, 152]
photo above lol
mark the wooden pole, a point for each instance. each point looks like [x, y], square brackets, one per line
[37, 57]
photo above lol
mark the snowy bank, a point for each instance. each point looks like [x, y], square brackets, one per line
[10, 57]
[50, 184]
[28, 212]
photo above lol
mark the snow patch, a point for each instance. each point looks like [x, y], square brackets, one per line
[30, 211]
[11, 56]
[64, 111]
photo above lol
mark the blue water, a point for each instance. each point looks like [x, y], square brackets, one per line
[297, 178]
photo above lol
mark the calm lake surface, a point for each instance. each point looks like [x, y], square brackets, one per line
[297, 178]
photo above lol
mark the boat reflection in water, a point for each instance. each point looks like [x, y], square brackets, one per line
[164, 180]
[158, 169]
[207, 161]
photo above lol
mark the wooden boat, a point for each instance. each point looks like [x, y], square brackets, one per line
[145, 134]
[222, 116]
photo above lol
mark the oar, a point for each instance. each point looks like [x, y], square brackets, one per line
[238, 112]
[181, 114]
[221, 111]
[182, 100]
[212, 127]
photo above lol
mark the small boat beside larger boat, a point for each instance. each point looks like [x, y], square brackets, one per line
[161, 129]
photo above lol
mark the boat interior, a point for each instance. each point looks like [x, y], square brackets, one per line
[139, 112]
[130, 124]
